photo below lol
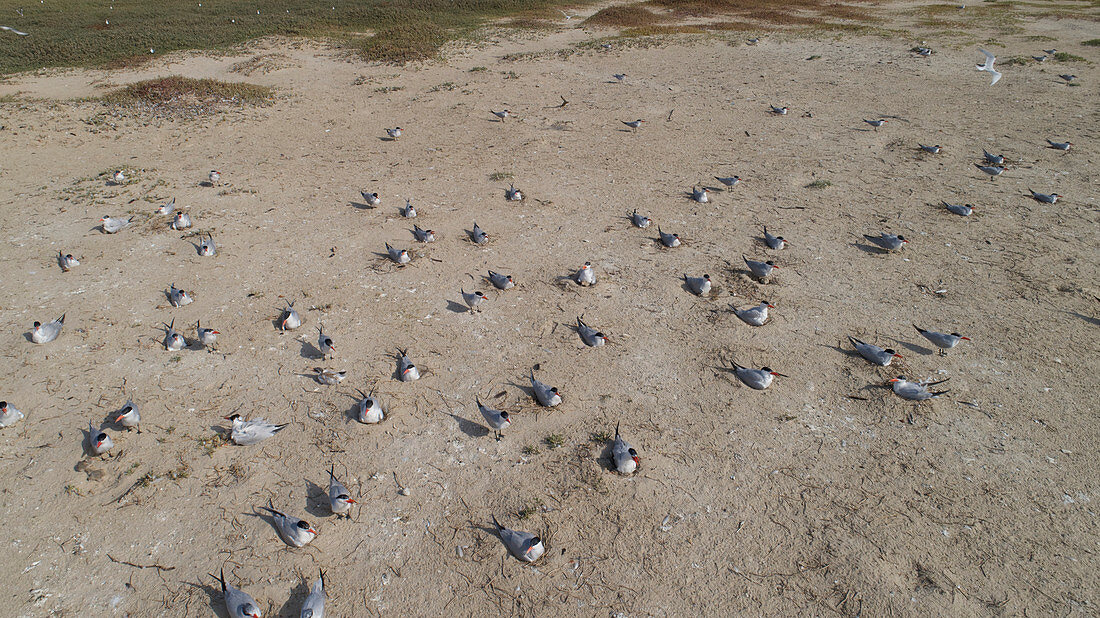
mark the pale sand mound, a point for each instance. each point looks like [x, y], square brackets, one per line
[824, 494]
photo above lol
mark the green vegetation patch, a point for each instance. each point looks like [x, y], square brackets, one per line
[122, 33]
[175, 90]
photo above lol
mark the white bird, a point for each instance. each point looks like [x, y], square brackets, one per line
[590, 336]
[325, 343]
[423, 235]
[639, 220]
[619, 77]
[774, 242]
[167, 208]
[112, 225]
[237, 602]
[331, 377]
[760, 270]
[924, 51]
[400, 256]
[118, 177]
[9, 414]
[45, 333]
[98, 441]
[991, 158]
[876, 123]
[394, 133]
[699, 194]
[294, 532]
[523, 545]
[503, 114]
[988, 66]
[406, 370]
[129, 416]
[963, 210]
[1060, 145]
[254, 431]
[757, 379]
[339, 501]
[67, 261]
[478, 235]
[754, 316]
[668, 240]
[512, 194]
[372, 199]
[624, 456]
[496, 419]
[500, 281]
[1046, 198]
[698, 285]
[874, 354]
[547, 396]
[586, 276]
[992, 170]
[779, 111]
[314, 605]
[207, 248]
[178, 297]
[370, 409]
[1067, 77]
[173, 341]
[290, 319]
[930, 149]
[943, 341]
[13, 30]
[888, 242]
[915, 391]
[408, 211]
[207, 336]
[215, 176]
[633, 124]
[728, 181]
[182, 221]
[473, 300]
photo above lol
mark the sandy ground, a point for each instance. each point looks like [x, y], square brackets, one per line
[825, 494]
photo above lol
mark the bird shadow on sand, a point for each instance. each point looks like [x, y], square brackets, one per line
[468, 427]
[293, 606]
[870, 249]
[528, 390]
[844, 351]
[206, 183]
[197, 246]
[1090, 320]
[215, 597]
[457, 307]
[912, 347]
[316, 500]
[311, 351]
[224, 432]
[387, 139]
[28, 336]
[362, 206]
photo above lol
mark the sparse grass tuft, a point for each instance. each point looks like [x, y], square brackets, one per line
[555, 440]
[387, 89]
[445, 86]
[1067, 57]
[819, 184]
[531, 449]
[599, 437]
[498, 176]
[530, 509]
[176, 93]
[1091, 43]
[479, 69]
